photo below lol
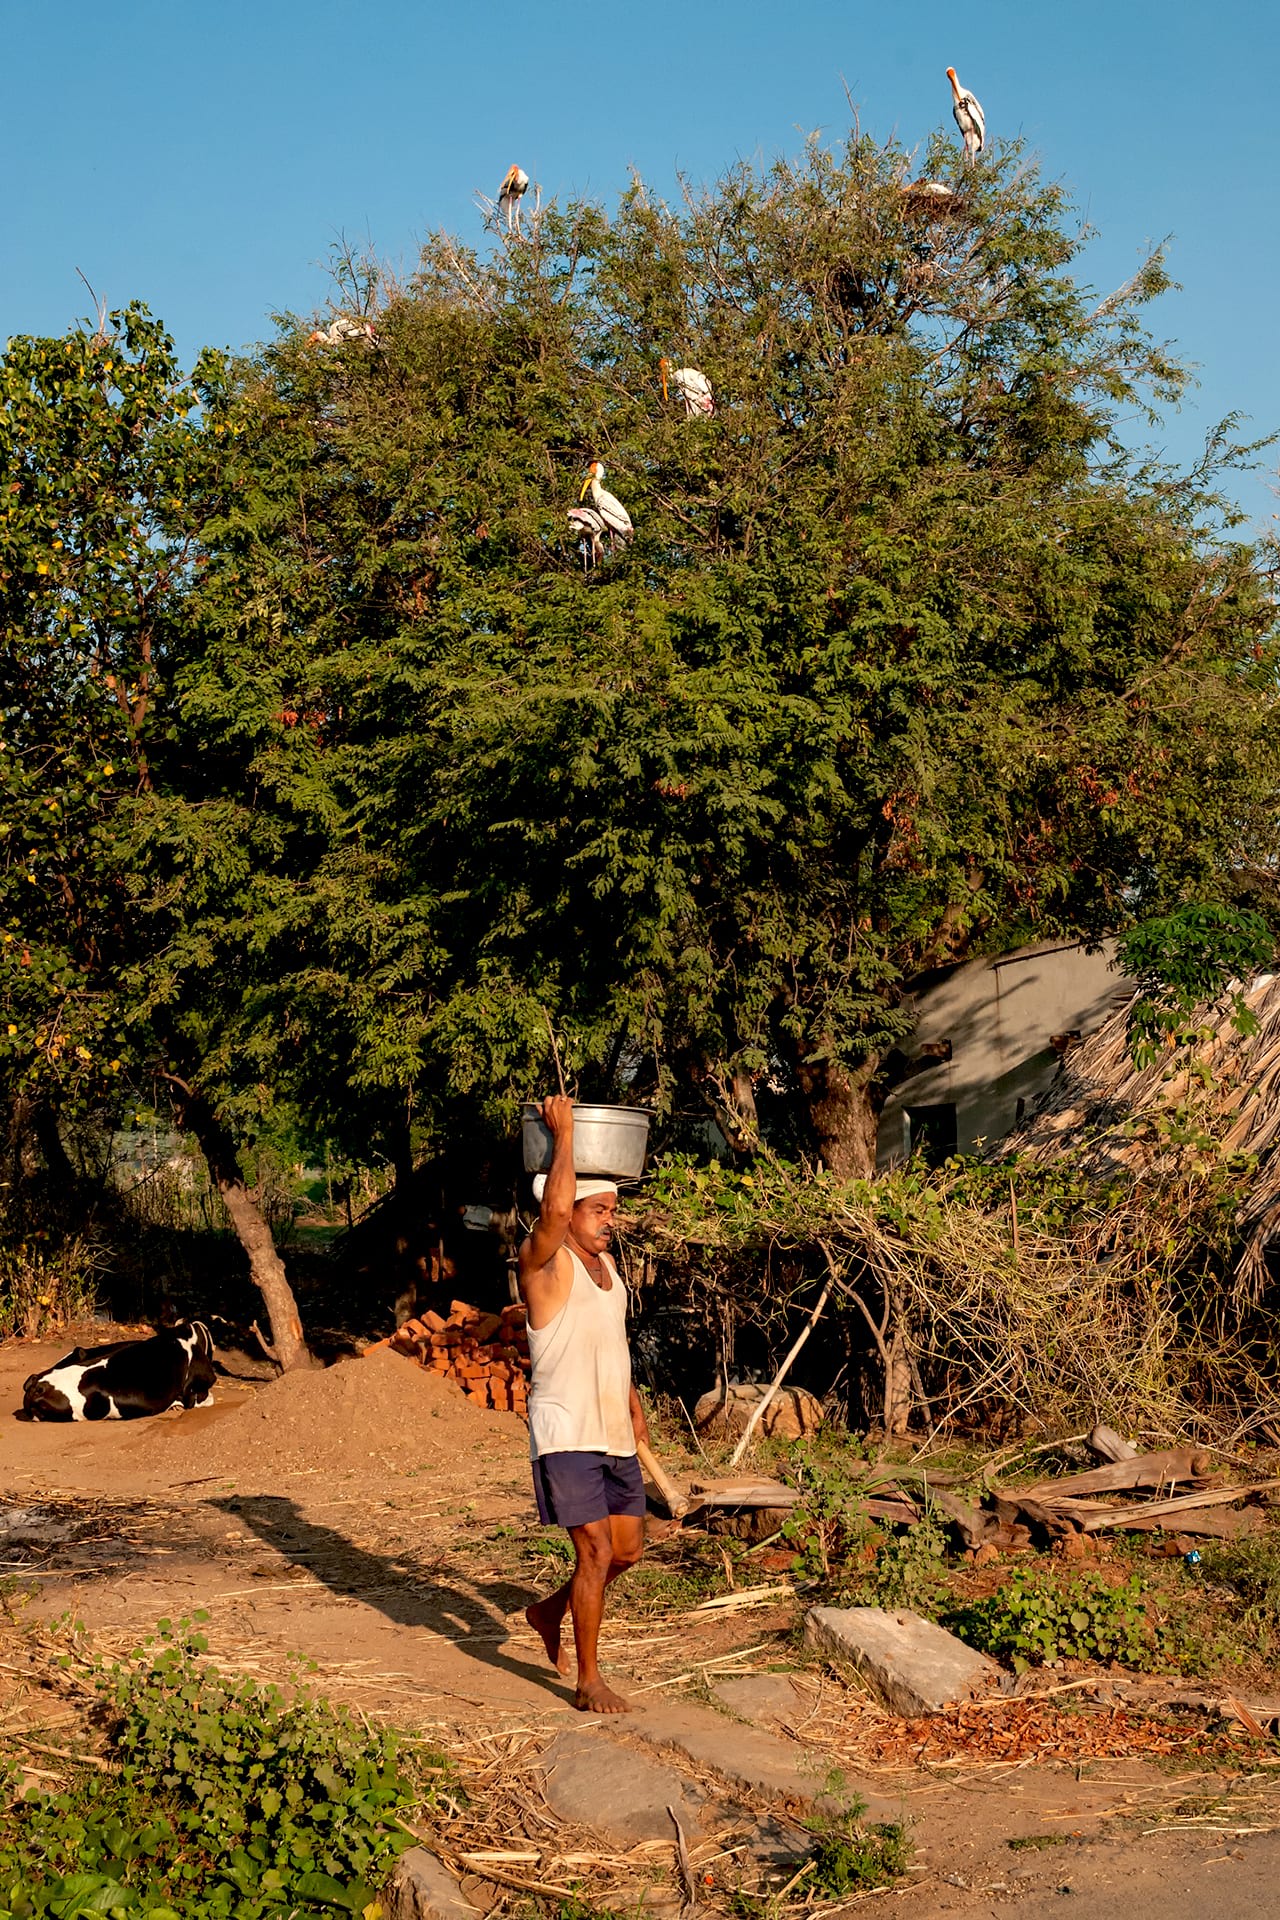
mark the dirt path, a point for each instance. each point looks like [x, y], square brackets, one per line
[375, 1522]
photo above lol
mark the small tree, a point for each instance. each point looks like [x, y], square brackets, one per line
[120, 876]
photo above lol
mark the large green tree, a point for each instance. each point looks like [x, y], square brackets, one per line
[908, 659]
[139, 884]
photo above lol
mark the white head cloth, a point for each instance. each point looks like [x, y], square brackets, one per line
[583, 1189]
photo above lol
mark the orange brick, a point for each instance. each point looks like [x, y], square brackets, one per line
[460, 1312]
[434, 1322]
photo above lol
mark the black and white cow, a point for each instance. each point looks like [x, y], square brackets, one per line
[174, 1368]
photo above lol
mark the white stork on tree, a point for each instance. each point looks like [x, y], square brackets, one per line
[969, 117]
[343, 327]
[598, 514]
[515, 184]
[607, 505]
[693, 387]
[590, 529]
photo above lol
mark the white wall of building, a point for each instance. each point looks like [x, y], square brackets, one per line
[1001, 1016]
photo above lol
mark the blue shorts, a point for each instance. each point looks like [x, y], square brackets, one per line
[573, 1489]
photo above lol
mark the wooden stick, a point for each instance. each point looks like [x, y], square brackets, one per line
[1183, 1503]
[682, 1861]
[555, 1051]
[781, 1374]
[677, 1505]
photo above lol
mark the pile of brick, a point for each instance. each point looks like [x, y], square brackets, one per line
[486, 1353]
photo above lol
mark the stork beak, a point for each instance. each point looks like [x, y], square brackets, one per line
[663, 371]
[586, 485]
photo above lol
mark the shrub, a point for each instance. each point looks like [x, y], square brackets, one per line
[43, 1288]
[223, 1798]
[1032, 1619]
[850, 1858]
[1251, 1569]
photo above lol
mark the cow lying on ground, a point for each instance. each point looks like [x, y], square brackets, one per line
[174, 1368]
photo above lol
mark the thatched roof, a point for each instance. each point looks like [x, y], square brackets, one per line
[1096, 1106]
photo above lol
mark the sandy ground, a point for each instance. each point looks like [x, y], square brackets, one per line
[369, 1518]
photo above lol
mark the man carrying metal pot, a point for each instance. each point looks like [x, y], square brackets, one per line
[585, 1417]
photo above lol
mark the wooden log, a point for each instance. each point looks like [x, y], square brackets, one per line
[974, 1526]
[1144, 1470]
[1221, 1523]
[1157, 1510]
[1110, 1445]
[901, 1512]
[1013, 1509]
[741, 1488]
[753, 1498]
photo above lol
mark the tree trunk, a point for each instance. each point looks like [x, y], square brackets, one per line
[266, 1269]
[732, 1101]
[55, 1156]
[403, 1163]
[897, 1384]
[843, 1117]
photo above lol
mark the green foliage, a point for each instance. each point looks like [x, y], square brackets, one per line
[1250, 1569]
[44, 1286]
[326, 768]
[1185, 958]
[849, 1857]
[1032, 1618]
[223, 1799]
[828, 1529]
[905, 662]
[909, 1570]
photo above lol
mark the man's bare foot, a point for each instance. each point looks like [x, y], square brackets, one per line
[546, 1624]
[593, 1696]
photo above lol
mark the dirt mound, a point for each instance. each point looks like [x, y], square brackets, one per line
[360, 1417]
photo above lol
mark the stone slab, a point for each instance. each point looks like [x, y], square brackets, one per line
[590, 1779]
[747, 1757]
[422, 1889]
[914, 1666]
[743, 1755]
[760, 1696]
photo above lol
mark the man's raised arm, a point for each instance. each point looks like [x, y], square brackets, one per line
[552, 1225]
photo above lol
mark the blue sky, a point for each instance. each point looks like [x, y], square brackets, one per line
[204, 157]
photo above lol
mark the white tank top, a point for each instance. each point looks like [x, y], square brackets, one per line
[580, 1398]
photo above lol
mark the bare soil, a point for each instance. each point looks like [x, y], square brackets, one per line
[372, 1519]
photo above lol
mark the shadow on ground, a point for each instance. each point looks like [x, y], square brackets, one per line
[408, 1591]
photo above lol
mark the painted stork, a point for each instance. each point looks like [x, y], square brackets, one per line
[515, 184]
[693, 387]
[590, 529]
[929, 193]
[343, 327]
[611, 510]
[969, 117]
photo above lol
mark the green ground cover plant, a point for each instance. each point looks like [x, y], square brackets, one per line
[220, 1800]
[849, 1856]
[1033, 1618]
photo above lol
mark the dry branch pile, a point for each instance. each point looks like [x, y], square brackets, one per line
[486, 1353]
[1106, 1112]
[1110, 1262]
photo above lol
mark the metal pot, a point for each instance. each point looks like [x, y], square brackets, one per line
[608, 1142]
